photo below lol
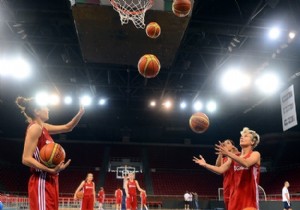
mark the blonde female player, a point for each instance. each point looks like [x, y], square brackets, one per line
[43, 183]
[131, 185]
[89, 193]
[246, 171]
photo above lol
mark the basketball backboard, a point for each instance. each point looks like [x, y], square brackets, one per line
[103, 39]
[123, 171]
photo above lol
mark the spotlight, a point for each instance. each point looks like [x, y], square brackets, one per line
[167, 104]
[68, 100]
[85, 100]
[274, 33]
[183, 105]
[268, 83]
[152, 103]
[292, 35]
[211, 106]
[102, 102]
[198, 106]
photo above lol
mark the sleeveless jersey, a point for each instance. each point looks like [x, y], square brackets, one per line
[227, 179]
[131, 185]
[118, 193]
[42, 186]
[44, 139]
[101, 196]
[88, 188]
[245, 182]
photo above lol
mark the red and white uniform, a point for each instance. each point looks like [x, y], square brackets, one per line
[39, 181]
[88, 196]
[118, 195]
[227, 180]
[245, 183]
[143, 197]
[101, 196]
[131, 200]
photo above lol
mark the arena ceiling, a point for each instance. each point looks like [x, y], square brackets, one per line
[218, 34]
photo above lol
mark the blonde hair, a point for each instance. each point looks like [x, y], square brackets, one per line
[255, 136]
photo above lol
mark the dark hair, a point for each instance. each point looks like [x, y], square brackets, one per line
[231, 141]
[27, 106]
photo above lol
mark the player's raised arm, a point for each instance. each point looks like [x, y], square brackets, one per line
[68, 127]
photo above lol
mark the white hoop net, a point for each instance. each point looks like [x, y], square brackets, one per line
[133, 10]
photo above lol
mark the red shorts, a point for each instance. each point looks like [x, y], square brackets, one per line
[118, 200]
[87, 202]
[43, 191]
[131, 202]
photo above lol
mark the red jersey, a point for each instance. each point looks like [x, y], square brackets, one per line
[227, 180]
[44, 139]
[118, 193]
[101, 196]
[88, 189]
[131, 186]
[245, 183]
[42, 186]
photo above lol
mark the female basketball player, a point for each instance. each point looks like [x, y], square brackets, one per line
[130, 188]
[89, 193]
[101, 198]
[143, 196]
[118, 196]
[227, 175]
[43, 183]
[246, 171]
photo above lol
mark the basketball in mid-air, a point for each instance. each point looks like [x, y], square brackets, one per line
[199, 122]
[181, 8]
[153, 30]
[52, 154]
[79, 194]
[149, 66]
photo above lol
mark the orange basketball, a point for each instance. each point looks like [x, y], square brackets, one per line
[52, 154]
[153, 30]
[149, 66]
[199, 122]
[181, 8]
[79, 195]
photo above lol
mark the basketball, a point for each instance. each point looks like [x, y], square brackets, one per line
[153, 30]
[79, 195]
[181, 8]
[149, 66]
[52, 154]
[199, 122]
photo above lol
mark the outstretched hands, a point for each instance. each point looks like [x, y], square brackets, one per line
[201, 161]
[221, 149]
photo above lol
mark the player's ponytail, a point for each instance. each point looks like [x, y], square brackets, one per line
[27, 107]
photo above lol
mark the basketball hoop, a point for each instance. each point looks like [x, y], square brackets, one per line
[133, 10]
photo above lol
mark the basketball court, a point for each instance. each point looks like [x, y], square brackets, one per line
[106, 37]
